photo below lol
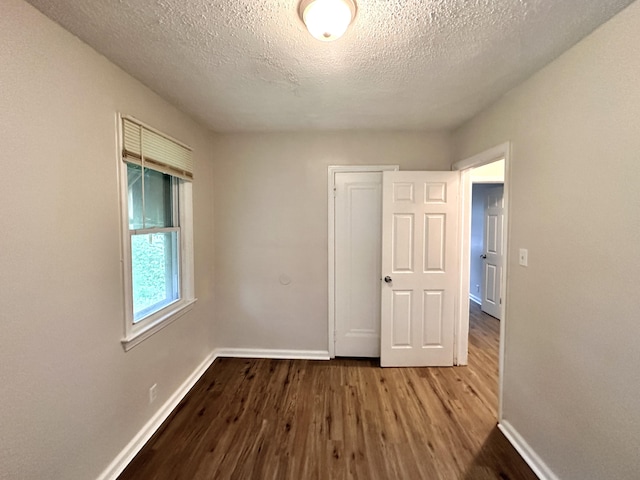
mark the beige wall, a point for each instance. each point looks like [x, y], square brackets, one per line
[70, 398]
[571, 384]
[271, 219]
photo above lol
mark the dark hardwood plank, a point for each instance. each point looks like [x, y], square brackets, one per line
[343, 419]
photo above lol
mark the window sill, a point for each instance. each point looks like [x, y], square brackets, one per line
[139, 336]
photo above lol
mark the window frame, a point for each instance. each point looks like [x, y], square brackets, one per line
[137, 332]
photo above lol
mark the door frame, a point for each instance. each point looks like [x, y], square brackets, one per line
[461, 352]
[332, 170]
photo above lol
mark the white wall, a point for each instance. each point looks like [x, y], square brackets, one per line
[271, 219]
[70, 398]
[571, 384]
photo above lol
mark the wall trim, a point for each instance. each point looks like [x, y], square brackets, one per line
[271, 353]
[146, 432]
[526, 452]
[475, 299]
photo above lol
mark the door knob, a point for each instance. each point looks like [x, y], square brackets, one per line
[483, 256]
[387, 279]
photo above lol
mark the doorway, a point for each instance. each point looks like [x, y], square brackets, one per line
[487, 249]
[482, 166]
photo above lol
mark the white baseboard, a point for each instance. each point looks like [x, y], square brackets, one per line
[475, 299]
[135, 445]
[526, 452]
[268, 353]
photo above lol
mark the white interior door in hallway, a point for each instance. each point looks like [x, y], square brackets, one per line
[493, 255]
[420, 266]
[358, 216]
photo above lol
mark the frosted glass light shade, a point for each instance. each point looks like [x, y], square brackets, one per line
[327, 20]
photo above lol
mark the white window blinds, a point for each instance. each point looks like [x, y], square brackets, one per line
[151, 149]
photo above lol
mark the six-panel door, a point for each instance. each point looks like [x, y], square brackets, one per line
[420, 254]
[493, 245]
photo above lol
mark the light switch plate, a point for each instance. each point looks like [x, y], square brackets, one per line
[523, 257]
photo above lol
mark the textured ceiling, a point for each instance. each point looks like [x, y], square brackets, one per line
[240, 65]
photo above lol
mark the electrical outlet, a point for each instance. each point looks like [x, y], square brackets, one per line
[153, 392]
[523, 257]
[477, 288]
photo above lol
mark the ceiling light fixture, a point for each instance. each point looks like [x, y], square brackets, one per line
[327, 20]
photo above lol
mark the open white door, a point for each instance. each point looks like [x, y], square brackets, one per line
[420, 256]
[493, 251]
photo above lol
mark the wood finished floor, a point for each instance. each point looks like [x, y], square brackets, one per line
[343, 419]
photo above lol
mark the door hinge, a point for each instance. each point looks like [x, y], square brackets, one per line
[334, 192]
[500, 301]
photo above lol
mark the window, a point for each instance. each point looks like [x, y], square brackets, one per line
[154, 231]
[156, 174]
